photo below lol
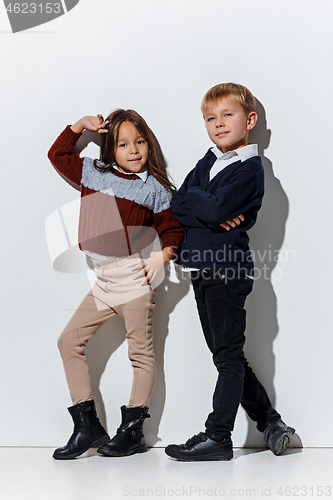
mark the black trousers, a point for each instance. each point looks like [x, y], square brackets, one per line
[220, 301]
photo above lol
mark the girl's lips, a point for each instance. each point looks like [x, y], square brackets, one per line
[135, 160]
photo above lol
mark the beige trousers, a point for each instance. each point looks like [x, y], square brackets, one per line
[115, 292]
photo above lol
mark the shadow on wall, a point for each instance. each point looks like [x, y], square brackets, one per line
[168, 295]
[110, 336]
[266, 240]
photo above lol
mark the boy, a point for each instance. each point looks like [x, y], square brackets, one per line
[217, 204]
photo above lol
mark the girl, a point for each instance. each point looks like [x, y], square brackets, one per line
[125, 199]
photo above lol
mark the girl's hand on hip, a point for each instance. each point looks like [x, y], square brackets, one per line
[149, 268]
[92, 123]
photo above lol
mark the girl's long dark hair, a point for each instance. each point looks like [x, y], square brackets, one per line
[156, 164]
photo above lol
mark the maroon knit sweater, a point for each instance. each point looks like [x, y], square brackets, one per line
[119, 213]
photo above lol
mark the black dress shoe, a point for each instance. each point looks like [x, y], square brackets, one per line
[200, 447]
[277, 436]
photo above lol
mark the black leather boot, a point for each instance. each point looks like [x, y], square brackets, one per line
[277, 436]
[88, 432]
[129, 438]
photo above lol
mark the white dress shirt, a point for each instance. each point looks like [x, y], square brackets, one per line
[225, 159]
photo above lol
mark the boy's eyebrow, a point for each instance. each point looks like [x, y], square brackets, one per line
[213, 112]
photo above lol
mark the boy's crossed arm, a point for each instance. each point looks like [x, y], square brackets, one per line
[179, 206]
[236, 197]
[184, 213]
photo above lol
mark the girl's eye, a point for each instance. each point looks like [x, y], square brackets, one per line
[228, 114]
[141, 141]
[122, 145]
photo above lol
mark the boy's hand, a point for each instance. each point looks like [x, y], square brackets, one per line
[229, 224]
[150, 267]
[93, 123]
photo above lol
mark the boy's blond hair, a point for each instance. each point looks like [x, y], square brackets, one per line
[239, 92]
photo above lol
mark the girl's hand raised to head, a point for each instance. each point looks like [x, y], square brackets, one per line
[93, 123]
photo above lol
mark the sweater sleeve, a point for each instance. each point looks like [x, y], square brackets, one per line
[169, 230]
[62, 157]
[179, 206]
[167, 227]
[243, 191]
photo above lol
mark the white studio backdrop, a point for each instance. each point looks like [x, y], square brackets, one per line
[159, 58]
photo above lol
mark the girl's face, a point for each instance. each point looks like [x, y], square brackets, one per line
[131, 151]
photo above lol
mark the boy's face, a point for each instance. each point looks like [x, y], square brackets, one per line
[228, 125]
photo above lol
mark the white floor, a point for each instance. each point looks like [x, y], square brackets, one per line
[32, 474]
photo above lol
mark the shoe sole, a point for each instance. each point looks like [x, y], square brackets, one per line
[106, 453]
[99, 442]
[280, 442]
[200, 458]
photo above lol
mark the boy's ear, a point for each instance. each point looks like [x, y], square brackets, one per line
[251, 120]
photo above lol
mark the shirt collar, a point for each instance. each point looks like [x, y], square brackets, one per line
[244, 153]
[143, 175]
